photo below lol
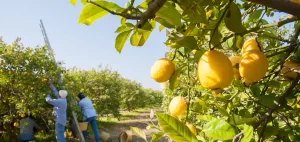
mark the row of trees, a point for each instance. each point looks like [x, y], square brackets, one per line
[23, 87]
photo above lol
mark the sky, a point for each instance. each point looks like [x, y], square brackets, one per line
[79, 45]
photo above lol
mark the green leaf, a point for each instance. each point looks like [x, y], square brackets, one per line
[273, 84]
[233, 19]
[206, 117]
[255, 15]
[73, 2]
[121, 39]
[219, 129]
[188, 42]
[124, 27]
[164, 22]
[216, 38]
[161, 27]
[238, 120]
[83, 2]
[255, 90]
[195, 15]
[90, 13]
[267, 100]
[139, 37]
[199, 53]
[157, 136]
[175, 129]
[138, 132]
[173, 80]
[222, 111]
[248, 133]
[169, 14]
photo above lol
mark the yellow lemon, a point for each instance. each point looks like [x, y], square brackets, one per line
[215, 70]
[16, 124]
[235, 61]
[192, 128]
[162, 70]
[289, 68]
[253, 66]
[251, 44]
[177, 106]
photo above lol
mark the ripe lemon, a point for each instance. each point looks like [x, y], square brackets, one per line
[252, 44]
[215, 70]
[162, 70]
[192, 128]
[253, 66]
[289, 68]
[16, 124]
[177, 106]
[235, 61]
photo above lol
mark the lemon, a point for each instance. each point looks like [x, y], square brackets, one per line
[192, 128]
[252, 44]
[177, 106]
[289, 68]
[16, 124]
[253, 66]
[215, 70]
[235, 61]
[162, 70]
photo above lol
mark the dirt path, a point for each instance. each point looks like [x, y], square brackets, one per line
[140, 120]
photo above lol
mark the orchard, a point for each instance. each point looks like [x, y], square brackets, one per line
[23, 87]
[232, 74]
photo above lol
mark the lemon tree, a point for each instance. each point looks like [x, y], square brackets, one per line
[251, 98]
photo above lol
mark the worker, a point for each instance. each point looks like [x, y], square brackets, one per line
[89, 115]
[27, 126]
[59, 111]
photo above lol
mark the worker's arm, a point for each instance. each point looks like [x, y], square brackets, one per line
[52, 101]
[53, 88]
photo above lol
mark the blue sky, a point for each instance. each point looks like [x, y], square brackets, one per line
[79, 45]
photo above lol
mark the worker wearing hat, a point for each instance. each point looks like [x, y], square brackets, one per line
[89, 115]
[59, 111]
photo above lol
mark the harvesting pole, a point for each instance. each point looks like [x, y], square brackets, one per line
[50, 50]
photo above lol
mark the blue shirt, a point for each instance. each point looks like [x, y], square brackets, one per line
[59, 107]
[86, 107]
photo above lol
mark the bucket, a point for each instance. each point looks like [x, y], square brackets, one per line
[104, 136]
[125, 137]
[83, 126]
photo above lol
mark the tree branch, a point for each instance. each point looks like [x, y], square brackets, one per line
[281, 5]
[125, 15]
[220, 20]
[278, 102]
[153, 7]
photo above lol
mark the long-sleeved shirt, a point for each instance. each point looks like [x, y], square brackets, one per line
[27, 125]
[59, 107]
[86, 107]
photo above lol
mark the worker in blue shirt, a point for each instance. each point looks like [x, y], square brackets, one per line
[89, 115]
[59, 111]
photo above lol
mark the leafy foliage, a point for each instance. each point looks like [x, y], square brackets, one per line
[194, 27]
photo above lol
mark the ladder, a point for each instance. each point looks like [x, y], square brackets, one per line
[50, 50]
